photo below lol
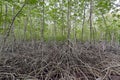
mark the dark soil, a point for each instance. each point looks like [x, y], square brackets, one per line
[53, 61]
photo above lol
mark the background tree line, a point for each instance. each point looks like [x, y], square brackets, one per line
[59, 20]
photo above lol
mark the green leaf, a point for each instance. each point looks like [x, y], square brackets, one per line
[31, 1]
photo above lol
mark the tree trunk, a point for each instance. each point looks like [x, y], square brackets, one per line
[68, 20]
[83, 22]
[91, 10]
[43, 22]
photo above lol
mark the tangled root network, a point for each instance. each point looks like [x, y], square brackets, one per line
[60, 61]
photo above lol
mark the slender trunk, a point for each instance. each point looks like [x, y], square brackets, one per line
[43, 22]
[83, 22]
[12, 32]
[31, 26]
[75, 33]
[62, 26]
[1, 18]
[94, 34]
[62, 32]
[25, 28]
[91, 22]
[91, 4]
[1, 24]
[70, 44]
[55, 33]
[106, 32]
[6, 11]
[68, 21]
[19, 32]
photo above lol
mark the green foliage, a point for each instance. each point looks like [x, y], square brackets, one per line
[2, 31]
[55, 15]
[31, 2]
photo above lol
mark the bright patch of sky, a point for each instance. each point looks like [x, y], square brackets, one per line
[116, 5]
[117, 2]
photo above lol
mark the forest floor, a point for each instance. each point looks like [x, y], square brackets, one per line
[51, 61]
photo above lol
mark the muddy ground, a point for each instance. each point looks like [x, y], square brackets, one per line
[60, 61]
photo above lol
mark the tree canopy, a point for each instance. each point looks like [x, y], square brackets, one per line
[60, 19]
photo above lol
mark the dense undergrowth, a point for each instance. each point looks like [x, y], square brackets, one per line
[60, 61]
